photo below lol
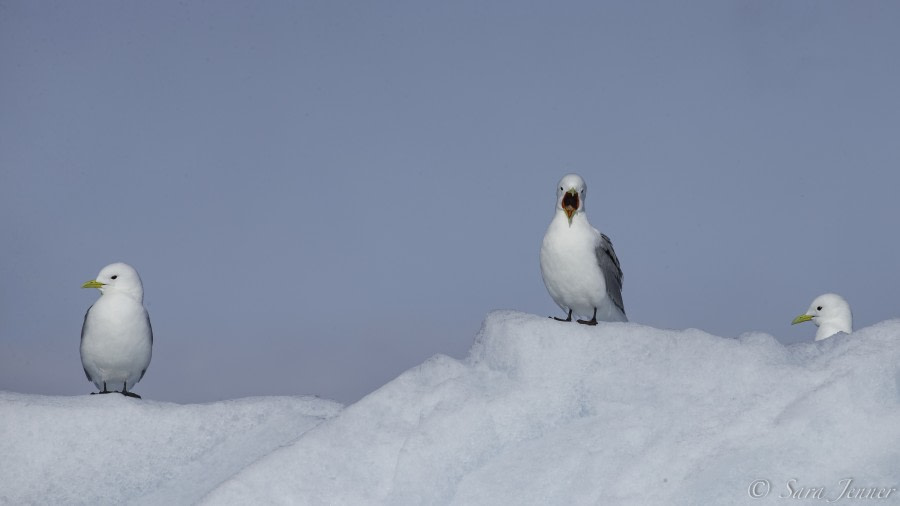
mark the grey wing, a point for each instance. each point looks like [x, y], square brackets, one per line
[612, 272]
[149, 327]
[84, 327]
[147, 315]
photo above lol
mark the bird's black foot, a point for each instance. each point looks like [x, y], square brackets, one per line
[126, 393]
[568, 318]
[592, 321]
[103, 392]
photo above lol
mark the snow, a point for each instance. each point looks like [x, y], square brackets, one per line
[109, 449]
[540, 412]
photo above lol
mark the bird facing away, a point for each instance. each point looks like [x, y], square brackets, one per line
[116, 339]
[831, 313]
[578, 263]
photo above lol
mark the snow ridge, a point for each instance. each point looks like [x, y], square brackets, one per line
[543, 412]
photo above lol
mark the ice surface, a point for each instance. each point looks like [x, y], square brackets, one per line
[109, 449]
[541, 412]
[544, 412]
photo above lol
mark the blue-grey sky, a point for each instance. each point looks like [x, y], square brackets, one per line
[320, 195]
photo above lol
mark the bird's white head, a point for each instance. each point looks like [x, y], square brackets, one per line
[570, 194]
[118, 278]
[831, 313]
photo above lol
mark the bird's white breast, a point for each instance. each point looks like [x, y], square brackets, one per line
[569, 265]
[116, 346]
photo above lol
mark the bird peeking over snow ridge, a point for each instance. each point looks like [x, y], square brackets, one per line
[578, 263]
[116, 339]
[831, 313]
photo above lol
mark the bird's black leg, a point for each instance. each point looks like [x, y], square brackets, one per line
[592, 321]
[568, 318]
[126, 393]
[105, 391]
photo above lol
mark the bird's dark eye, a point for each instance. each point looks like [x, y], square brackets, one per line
[114, 276]
[819, 308]
[560, 188]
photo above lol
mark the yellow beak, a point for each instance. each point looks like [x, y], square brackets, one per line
[802, 318]
[570, 204]
[92, 284]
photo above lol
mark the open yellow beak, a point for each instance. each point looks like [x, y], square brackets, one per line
[570, 204]
[802, 318]
[92, 284]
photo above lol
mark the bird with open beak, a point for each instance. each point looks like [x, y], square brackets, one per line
[578, 263]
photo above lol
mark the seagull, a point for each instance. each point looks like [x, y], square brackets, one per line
[831, 313]
[116, 338]
[578, 263]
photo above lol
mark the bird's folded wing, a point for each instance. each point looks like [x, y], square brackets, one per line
[612, 273]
